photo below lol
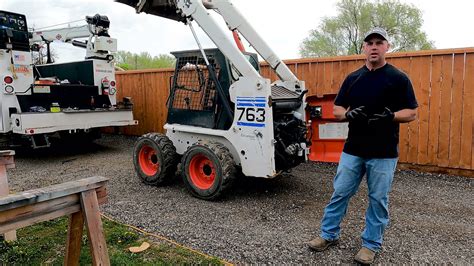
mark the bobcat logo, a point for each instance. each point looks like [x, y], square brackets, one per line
[187, 3]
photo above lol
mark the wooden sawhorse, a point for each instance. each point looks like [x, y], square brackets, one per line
[80, 199]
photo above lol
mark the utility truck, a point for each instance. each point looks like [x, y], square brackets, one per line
[223, 116]
[66, 99]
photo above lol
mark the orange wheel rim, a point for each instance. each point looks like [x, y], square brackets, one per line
[202, 172]
[148, 160]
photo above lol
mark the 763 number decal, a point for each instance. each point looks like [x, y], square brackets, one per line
[251, 111]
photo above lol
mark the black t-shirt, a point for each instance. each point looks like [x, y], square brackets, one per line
[383, 87]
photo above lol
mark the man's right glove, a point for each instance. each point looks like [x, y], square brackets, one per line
[356, 114]
[386, 117]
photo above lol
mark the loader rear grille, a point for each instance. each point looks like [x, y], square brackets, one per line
[279, 93]
[193, 88]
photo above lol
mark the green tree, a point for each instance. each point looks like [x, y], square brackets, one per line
[344, 33]
[130, 61]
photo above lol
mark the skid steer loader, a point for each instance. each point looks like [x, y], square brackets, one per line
[223, 116]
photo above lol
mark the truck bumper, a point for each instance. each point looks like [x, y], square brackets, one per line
[41, 123]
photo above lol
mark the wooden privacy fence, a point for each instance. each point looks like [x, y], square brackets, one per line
[443, 80]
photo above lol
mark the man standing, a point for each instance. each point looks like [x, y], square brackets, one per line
[374, 100]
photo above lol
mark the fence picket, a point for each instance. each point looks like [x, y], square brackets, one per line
[456, 108]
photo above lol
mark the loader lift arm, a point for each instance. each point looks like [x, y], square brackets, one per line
[184, 10]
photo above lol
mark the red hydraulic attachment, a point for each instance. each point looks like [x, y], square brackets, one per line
[238, 41]
[327, 134]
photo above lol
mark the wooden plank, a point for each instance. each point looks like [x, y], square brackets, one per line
[423, 98]
[313, 80]
[6, 158]
[303, 72]
[404, 65]
[56, 191]
[343, 74]
[102, 194]
[467, 139]
[29, 212]
[335, 78]
[41, 218]
[320, 79]
[413, 127]
[433, 131]
[95, 231]
[4, 189]
[445, 111]
[74, 239]
[328, 72]
[37, 209]
[456, 112]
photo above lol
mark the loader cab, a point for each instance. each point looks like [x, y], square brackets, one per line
[193, 98]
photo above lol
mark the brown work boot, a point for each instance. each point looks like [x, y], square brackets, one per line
[321, 244]
[365, 256]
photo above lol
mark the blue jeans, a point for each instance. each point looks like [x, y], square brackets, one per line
[349, 174]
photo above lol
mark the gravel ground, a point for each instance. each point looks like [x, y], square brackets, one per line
[268, 221]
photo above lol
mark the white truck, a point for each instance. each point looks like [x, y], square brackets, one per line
[66, 99]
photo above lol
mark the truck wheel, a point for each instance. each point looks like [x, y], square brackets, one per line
[155, 158]
[207, 169]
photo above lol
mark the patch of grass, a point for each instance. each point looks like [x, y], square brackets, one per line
[44, 243]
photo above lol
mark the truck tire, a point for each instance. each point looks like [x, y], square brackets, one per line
[155, 159]
[208, 169]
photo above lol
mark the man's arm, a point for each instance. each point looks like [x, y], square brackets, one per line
[340, 112]
[405, 115]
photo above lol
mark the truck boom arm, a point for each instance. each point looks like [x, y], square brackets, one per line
[98, 45]
[62, 34]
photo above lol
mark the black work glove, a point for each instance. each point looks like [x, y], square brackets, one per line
[386, 117]
[356, 114]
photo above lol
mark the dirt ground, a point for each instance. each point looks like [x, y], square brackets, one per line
[268, 221]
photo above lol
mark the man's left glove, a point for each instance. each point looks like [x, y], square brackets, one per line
[386, 116]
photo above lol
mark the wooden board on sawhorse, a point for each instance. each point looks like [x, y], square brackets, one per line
[6, 162]
[79, 199]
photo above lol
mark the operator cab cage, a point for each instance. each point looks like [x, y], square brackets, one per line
[194, 95]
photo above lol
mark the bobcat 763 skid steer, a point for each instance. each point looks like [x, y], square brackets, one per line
[223, 116]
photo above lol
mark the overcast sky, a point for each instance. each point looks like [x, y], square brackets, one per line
[283, 24]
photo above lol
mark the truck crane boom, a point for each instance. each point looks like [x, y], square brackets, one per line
[62, 34]
[99, 44]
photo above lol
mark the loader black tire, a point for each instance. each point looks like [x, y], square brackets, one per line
[155, 159]
[208, 169]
